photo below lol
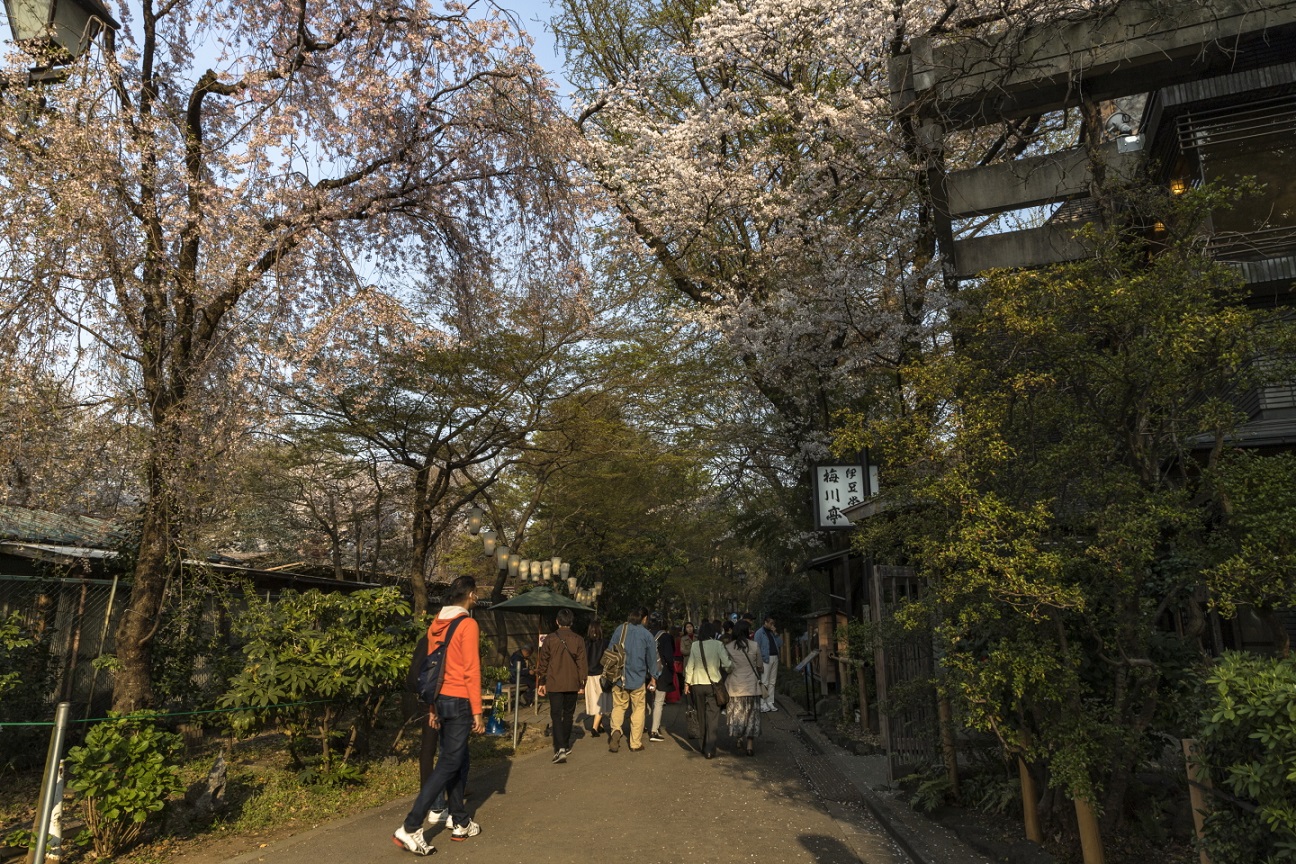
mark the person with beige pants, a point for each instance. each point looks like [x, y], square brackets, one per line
[628, 693]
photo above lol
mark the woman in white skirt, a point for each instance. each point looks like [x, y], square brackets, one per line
[598, 704]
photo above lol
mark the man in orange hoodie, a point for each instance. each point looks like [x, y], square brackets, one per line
[458, 711]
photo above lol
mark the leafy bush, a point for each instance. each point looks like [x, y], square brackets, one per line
[25, 682]
[124, 774]
[932, 792]
[344, 653]
[191, 660]
[1247, 745]
[12, 642]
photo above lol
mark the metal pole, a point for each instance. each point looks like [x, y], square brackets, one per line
[517, 697]
[49, 783]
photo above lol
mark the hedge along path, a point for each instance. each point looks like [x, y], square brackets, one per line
[175, 713]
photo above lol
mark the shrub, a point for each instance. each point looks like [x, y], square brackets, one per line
[343, 653]
[25, 682]
[1247, 745]
[124, 774]
[12, 642]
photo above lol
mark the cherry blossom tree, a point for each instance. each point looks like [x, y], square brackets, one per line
[223, 171]
[751, 149]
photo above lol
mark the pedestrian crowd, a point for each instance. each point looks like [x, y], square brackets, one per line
[718, 669]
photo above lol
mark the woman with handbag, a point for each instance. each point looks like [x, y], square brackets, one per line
[744, 686]
[704, 683]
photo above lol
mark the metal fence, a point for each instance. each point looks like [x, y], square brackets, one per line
[75, 620]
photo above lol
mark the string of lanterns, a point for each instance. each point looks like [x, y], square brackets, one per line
[529, 570]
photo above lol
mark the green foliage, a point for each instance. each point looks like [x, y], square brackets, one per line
[124, 773]
[26, 676]
[992, 791]
[1040, 466]
[20, 838]
[932, 792]
[347, 652]
[189, 641]
[1247, 745]
[13, 641]
[1259, 534]
[787, 600]
[491, 674]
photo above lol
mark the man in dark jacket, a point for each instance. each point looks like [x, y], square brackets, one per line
[561, 669]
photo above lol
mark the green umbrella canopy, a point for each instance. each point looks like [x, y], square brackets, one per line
[541, 599]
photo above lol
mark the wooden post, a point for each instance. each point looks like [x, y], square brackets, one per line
[1091, 849]
[1030, 802]
[1196, 793]
[860, 681]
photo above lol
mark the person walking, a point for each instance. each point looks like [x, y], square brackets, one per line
[708, 663]
[598, 703]
[771, 645]
[628, 693]
[665, 682]
[458, 712]
[561, 670]
[743, 710]
[430, 734]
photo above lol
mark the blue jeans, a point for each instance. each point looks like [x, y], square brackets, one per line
[450, 775]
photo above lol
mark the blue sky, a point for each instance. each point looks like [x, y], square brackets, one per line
[535, 15]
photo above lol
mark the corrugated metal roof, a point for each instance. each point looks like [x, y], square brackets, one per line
[41, 526]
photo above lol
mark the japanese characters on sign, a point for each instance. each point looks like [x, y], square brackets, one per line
[836, 488]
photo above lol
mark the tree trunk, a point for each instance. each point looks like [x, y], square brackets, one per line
[133, 683]
[949, 746]
[422, 542]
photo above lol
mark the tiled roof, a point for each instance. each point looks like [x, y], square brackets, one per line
[41, 526]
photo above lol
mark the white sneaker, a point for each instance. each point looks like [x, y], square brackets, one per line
[435, 818]
[463, 832]
[413, 842]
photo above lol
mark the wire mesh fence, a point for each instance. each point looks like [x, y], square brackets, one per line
[72, 622]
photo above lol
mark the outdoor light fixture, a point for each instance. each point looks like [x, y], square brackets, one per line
[474, 520]
[71, 25]
[502, 557]
[523, 570]
[564, 571]
[535, 571]
[571, 584]
[546, 570]
[488, 542]
[598, 586]
[556, 561]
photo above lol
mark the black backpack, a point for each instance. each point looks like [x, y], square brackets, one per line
[433, 673]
